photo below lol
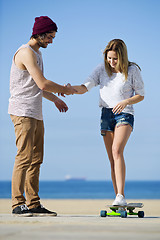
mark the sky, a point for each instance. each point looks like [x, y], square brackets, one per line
[73, 144]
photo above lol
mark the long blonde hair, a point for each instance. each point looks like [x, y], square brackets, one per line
[123, 63]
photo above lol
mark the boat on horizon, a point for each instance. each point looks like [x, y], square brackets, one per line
[70, 178]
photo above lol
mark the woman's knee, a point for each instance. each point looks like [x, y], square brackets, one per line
[117, 152]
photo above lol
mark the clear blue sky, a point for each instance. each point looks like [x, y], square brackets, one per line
[73, 144]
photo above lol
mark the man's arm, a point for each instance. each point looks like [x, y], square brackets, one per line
[28, 60]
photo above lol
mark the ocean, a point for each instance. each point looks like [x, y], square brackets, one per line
[79, 189]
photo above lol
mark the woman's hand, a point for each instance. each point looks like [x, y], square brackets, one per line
[120, 106]
[79, 89]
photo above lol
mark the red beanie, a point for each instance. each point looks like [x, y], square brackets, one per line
[43, 24]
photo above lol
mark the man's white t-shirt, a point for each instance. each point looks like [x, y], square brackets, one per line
[115, 89]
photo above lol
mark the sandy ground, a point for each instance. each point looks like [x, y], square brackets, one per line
[80, 219]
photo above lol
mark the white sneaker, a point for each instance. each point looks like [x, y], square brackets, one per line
[119, 200]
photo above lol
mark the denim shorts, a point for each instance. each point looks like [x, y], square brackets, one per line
[109, 119]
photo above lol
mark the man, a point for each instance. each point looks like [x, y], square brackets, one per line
[27, 87]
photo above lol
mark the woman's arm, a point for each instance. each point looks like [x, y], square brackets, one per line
[135, 99]
[121, 105]
[81, 89]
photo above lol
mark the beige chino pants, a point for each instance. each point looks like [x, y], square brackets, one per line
[29, 134]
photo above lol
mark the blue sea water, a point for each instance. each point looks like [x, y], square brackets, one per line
[89, 189]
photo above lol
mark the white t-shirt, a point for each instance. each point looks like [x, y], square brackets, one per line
[114, 89]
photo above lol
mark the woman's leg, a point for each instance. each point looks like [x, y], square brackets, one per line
[121, 136]
[108, 141]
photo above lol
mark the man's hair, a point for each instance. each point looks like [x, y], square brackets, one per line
[42, 35]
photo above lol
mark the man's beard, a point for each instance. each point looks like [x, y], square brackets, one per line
[41, 44]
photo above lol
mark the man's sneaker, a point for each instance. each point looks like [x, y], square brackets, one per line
[119, 200]
[22, 211]
[41, 211]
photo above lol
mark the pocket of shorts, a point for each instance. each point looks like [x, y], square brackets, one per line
[27, 124]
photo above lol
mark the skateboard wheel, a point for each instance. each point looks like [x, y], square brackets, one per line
[123, 214]
[140, 214]
[103, 213]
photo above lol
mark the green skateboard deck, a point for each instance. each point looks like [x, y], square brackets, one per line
[123, 211]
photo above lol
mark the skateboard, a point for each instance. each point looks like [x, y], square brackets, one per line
[123, 211]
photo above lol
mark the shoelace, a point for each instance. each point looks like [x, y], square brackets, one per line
[24, 207]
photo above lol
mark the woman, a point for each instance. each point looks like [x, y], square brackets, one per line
[121, 86]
